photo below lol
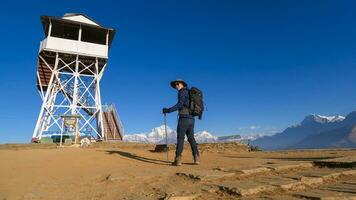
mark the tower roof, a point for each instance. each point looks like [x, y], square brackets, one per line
[81, 18]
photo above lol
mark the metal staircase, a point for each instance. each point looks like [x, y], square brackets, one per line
[82, 102]
[113, 128]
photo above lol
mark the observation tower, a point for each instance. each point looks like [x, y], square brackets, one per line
[71, 62]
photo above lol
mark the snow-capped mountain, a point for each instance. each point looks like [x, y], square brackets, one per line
[205, 137]
[252, 137]
[322, 119]
[314, 131]
[139, 138]
[158, 136]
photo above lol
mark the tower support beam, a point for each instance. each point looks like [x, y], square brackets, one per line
[74, 88]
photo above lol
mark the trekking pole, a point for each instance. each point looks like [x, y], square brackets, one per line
[165, 128]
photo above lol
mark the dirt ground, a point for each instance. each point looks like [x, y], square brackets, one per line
[133, 171]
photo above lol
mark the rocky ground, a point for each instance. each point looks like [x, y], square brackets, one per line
[134, 171]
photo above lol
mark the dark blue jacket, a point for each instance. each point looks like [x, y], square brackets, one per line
[183, 104]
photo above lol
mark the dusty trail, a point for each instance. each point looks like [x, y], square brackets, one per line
[132, 171]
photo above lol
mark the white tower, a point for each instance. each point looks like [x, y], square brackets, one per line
[71, 61]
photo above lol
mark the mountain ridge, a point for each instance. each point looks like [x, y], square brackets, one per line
[157, 136]
[311, 125]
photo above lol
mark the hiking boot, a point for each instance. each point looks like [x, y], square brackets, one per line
[196, 159]
[177, 161]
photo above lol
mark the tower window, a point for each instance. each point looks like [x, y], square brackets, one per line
[66, 31]
[93, 35]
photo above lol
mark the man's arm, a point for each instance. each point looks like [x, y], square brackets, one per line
[182, 99]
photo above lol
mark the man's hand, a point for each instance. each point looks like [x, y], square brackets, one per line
[165, 110]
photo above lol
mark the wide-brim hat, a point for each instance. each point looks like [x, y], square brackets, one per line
[173, 83]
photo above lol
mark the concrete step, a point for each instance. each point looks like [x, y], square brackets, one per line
[324, 195]
[272, 197]
[346, 187]
[245, 188]
[282, 182]
[284, 167]
[219, 173]
[342, 162]
[254, 171]
[184, 197]
[266, 184]
[325, 174]
[206, 175]
[268, 168]
[292, 182]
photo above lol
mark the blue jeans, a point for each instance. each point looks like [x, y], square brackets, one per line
[186, 127]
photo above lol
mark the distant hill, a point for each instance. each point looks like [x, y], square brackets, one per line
[311, 128]
[342, 137]
[229, 138]
[238, 138]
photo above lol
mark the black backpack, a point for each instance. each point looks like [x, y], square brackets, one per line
[196, 104]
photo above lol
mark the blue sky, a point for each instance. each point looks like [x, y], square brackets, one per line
[263, 65]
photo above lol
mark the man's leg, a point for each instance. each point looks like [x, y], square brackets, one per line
[191, 139]
[181, 130]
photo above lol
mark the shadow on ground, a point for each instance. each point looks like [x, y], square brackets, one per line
[287, 158]
[139, 158]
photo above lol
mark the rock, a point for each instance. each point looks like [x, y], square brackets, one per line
[245, 188]
[279, 167]
[349, 172]
[85, 142]
[325, 195]
[279, 197]
[209, 189]
[111, 178]
[281, 182]
[331, 176]
[311, 181]
[347, 187]
[205, 174]
[343, 162]
[317, 172]
[188, 197]
[255, 171]
[161, 148]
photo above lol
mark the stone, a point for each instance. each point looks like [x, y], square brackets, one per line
[342, 187]
[188, 197]
[205, 175]
[318, 172]
[342, 162]
[278, 167]
[311, 181]
[161, 148]
[281, 182]
[245, 188]
[331, 176]
[209, 188]
[325, 195]
[349, 172]
[255, 171]
[325, 174]
[279, 197]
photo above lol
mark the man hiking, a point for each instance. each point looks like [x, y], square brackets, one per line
[185, 122]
